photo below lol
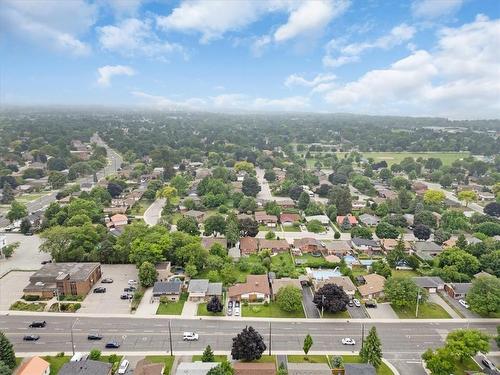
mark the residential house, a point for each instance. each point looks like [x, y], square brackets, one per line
[359, 369]
[485, 196]
[263, 218]
[256, 289]
[163, 269]
[117, 220]
[482, 274]
[308, 369]
[249, 245]
[386, 193]
[432, 284]
[66, 278]
[373, 286]
[144, 367]
[171, 290]
[275, 246]
[323, 219]
[457, 290]
[426, 250]
[307, 245]
[342, 281]
[208, 242]
[195, 368]
[369, 220]
[419, 188]
[366, 246]
[87, 367]
[34, 366]
[277, 284]
[203, 290]
[289, 219]
[197, 215]
[286, 203]
[347, 219]
[389, 244]
[338, 248]
[450, 242]
[358, 205]
[252, 368]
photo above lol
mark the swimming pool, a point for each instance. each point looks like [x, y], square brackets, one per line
[323, 274]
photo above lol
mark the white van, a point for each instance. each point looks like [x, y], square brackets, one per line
[190, 336]
[77, 357]
[123, 367]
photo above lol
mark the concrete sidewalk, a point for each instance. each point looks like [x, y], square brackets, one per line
[147, 307]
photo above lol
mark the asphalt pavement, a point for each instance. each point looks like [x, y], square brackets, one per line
[403, 342]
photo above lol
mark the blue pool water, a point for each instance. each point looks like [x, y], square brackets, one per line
[325, 274]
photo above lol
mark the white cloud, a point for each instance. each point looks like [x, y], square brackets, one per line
[435, 8]
[292, 103]
[162, 102]
[52, 23]
[109, 71]
[459, 79]
[350, 52]
[309, 18]
[297, 80]
[123, 8]
[133, 37]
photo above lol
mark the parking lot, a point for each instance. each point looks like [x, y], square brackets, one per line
[110, 302]
[11, 288]
[26, 257]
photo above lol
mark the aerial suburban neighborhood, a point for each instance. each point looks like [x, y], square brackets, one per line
[238, 187]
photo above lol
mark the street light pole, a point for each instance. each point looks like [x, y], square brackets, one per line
[418, 300]
[170, 338]
[322, 304]
[362, 335]
[270, 342]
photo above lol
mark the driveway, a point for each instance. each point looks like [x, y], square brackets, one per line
[310, 308]
[110, 302]
[435, 298]
[189, 309]
[27, 257]
[147, 307]
[382, 311]
[357, 312]
[153, 213]
[11, 288]
[465, 312]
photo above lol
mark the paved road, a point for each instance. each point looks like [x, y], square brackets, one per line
[310, 308]
[114, 163]
[403, 341]
[153, 213]
[452, 197]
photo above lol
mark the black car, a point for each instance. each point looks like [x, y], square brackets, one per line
[100, 289]
[31, 338]
[28, 233]
[39, 324]
[488, 364]
[107, 280]
[46, 261]
[94, 336]
[112, 345]
[126, 296]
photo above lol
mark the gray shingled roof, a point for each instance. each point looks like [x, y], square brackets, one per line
[428, 281]
[359, 369]
[76, 271]
[214, 289]
[87, 367]
[198, 286]
[169, 287]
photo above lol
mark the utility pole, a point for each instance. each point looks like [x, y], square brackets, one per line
[418, 300]
[322, 304]
[362, 335]
[270, 342]
[170, 338]
[72, 339]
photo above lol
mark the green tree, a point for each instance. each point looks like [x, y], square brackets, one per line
[461, 242]
[188, 225]
[17, 211]
[232, 230]
[7, 354]
[95, 354]
[381, 268]
[434, 197]
[466, 343]
[248, 345]
[386, 230]
[308, 342]
[147, 274]
[247, 204]
[4, 369]
[484, 295]
[361, 232]
[304, 200]
[439, 362]
[180, 183]
[223, 368]
[289, 298]
[270, 235]
[371, 351]
[8, 194]
[340, 196]
[25, 226]
[462, 260]
[250, 186]
[215, 224]
[9, 249]
[397, 255]
[57, 179]
[208, 355]
[315, 226]
[403, 292]
[168, 193]
[467, 196]
[191, 270]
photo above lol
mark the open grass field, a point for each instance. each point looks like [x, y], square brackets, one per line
[426, 310]
[270, 311]
[167, 360]
[400, 274]
[29, 197]
[140, 207]
[172, 308]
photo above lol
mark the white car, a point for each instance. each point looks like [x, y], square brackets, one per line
[236, 311]
[190, 336]
[463, 303]
[123, 367]
[348, 341]
[356, 302]
[132, 282]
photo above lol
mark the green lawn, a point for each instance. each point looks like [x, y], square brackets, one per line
[140, 207]
[172, 308]
[382, 370]
[308, 359]
[29, 197]
[339, 315]
[56, 363]
[25, 306]
[202, 311]
[400, 274]
[217, 358]
[312, 261]
[266, 359]
[282, 259]
[426, 310]
[467, 365]
[270, 311]
[166, 359]
[290, 228]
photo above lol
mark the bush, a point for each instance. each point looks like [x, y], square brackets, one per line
[31, 298]
[60, 354]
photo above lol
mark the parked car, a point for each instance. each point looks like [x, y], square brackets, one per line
[371, 304]
[463, 303]
[112, 345]
[28, 233]
[488, 364]
[31, 338]
[190, 336]
[237, 304]
[126, 296]
[348, 341]
[123, 367]
[132, 282]
[107, 280]
[350, 303]
[100, 289]
[236, 311]
[356, 302]
[46, 261]
[94, 336]
[127, 290]
[38, 324]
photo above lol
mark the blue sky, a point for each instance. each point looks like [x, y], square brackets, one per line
[421, 57]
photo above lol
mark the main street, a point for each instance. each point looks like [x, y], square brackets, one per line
[403, 341]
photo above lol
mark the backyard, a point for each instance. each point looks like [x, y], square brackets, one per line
[172, 308]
